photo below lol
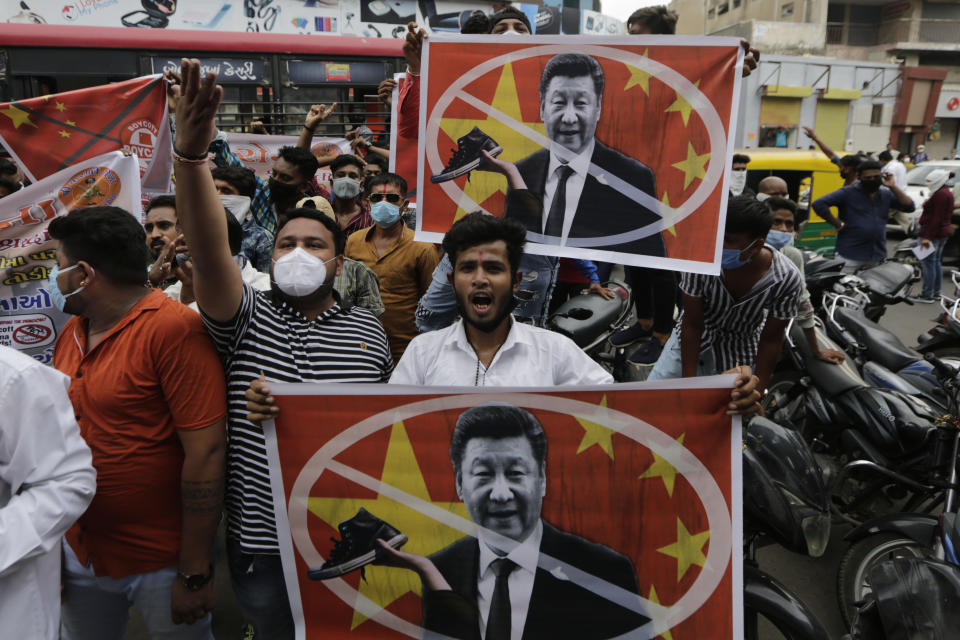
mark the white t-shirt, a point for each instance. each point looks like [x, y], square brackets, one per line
[530, 357]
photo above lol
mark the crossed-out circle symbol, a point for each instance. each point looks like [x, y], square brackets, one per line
[687, 90]
[681, 458]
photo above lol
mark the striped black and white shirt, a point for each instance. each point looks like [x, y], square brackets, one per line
[344, 344]
[732, 327]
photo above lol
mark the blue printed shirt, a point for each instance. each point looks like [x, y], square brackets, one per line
[864, 217]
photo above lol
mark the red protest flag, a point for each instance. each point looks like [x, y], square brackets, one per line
[50, 133]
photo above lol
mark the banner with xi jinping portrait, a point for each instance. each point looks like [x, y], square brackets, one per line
[595, 513]
[623, 142]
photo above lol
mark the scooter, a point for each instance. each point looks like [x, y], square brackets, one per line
[910, 535]
[784, 501]
[872, 444]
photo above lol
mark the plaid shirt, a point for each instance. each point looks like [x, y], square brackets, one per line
[261, 208]
[359, 285]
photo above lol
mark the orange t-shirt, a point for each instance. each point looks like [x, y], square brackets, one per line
[156, 371]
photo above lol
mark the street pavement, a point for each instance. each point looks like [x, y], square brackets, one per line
[812, 579]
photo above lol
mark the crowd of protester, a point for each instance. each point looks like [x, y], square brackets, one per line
[253, 280]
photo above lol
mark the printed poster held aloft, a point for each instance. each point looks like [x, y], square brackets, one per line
[624, 143]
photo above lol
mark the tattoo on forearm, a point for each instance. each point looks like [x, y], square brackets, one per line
[203, 497]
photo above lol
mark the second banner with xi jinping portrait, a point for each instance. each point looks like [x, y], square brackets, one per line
[611, 149]
[501, 514]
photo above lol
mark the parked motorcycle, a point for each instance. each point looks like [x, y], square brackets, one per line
[873, 444]
[883, 360]
[910, 535]
[784, 501]
[943, 340]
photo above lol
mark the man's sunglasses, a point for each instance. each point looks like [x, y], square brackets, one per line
[392, 198]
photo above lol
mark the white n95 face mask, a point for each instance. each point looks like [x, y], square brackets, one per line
[299, 273]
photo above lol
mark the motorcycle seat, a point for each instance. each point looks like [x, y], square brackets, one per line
[882, 345]
[832, 379]
[584, 317]
[887, 278]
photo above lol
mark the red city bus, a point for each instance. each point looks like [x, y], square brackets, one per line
[265, 76]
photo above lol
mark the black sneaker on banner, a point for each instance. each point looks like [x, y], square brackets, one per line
[466, 157]
[357, 546]
[629, 335]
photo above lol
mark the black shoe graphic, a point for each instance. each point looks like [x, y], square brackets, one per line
[357, 546]
[467, 156]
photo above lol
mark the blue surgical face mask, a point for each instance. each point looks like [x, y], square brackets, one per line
[779, 239]
[731, 257]
[58, 298]
[384, 213]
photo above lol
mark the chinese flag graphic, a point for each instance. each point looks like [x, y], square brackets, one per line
[52, 132]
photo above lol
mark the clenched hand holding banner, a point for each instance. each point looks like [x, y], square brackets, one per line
[613, 507]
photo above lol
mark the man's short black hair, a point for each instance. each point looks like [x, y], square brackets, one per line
[659, 20]
[850, 161]
[386, 178]
[497, 421]
[110, 239]
[302, 159]
[234, 233]
[478, 22]
[345, 159]
[161, 201]
[776, 204]
[885, 156]
[868, 165]
[572, 65]
[242, 179]
[480, 228]
[509, 12]
[9, 185]
[740, 158]
[748, 216]
[379, 160]
[7, 167]
[292, 214]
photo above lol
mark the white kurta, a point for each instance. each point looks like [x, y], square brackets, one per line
[46, 482]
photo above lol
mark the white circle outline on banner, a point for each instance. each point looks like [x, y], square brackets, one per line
[681, 458]
[690, 92]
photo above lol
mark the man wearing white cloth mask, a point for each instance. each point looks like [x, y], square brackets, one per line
[297, 332]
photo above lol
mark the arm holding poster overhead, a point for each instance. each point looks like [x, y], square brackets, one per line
[217, 283]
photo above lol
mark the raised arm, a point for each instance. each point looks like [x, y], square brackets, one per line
[317, 114]
[217, 284]
[827, 151]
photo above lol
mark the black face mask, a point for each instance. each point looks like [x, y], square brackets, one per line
[281, 191]
[870, 185]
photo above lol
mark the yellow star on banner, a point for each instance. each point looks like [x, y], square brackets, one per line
[483, 184]
[693, 167]
[401, 470]
[668, 217]
[60, 107]
[666, 635]
[688, 549]
[71, 123]
[681, 105]
[663, 469]
[638, 77]
[64, 134]
[18, 116]
[596, 434]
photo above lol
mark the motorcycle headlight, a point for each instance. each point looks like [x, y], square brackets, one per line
[814, 524]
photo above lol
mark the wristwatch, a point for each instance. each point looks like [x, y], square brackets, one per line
[196, 581]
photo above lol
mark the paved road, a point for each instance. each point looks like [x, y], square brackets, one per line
[813, 580]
